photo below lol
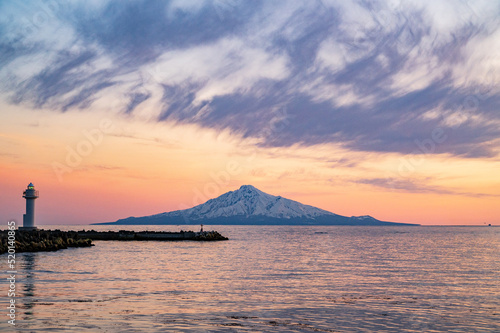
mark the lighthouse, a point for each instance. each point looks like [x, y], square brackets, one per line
[30, 194]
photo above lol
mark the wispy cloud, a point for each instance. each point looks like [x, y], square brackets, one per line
[365, 75]
[413, 186]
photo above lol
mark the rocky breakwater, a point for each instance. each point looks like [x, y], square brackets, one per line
[41, 240]
[209, 236]
[127, 235]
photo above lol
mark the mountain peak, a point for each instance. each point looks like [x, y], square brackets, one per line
[250, 201]
[248, 188]
[250, 205]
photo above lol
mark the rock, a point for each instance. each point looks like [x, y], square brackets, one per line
[42, 240]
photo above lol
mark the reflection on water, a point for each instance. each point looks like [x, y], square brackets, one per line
[281, 279]
[27, 266]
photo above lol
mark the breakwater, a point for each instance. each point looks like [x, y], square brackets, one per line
[126, 235]
[41, 240]
[53, 240]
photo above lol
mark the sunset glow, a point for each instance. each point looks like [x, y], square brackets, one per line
[109, 124]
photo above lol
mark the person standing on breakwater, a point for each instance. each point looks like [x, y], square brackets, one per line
[201, 230]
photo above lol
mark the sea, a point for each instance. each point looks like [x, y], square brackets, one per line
[264, 279]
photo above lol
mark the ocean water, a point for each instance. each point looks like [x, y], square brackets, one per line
[266, 279]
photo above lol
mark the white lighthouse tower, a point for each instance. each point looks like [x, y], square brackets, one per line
[30, 194]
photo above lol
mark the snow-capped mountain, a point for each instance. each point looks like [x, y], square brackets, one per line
[249, 201]
[248, 205]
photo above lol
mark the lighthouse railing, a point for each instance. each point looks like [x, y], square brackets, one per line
[33, 193]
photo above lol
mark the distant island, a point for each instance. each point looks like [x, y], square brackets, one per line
[250, 206]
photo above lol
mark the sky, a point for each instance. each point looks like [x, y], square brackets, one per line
[131, 108]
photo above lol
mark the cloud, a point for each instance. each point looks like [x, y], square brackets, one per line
[378, 76]
[136, 98]
[411, 186]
